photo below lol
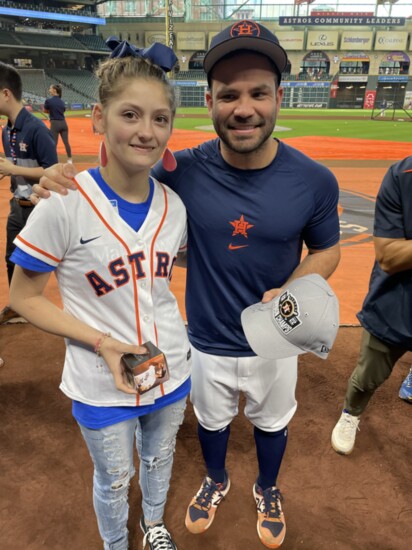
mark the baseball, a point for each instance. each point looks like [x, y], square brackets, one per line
[1, 362]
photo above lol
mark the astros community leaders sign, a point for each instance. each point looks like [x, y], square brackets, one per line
[336, 20]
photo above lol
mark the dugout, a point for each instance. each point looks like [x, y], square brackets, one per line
[392, 88]
[350, 94]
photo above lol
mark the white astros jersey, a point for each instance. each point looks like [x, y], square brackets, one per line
[114, 279]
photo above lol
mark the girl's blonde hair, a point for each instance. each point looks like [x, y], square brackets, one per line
[113, 72]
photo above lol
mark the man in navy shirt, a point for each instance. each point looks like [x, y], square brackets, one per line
[56, 108]
[252, 202]
[386, 315]
[29, 148]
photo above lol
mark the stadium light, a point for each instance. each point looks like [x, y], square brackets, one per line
[32, 14]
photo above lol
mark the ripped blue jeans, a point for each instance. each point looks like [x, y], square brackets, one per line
[111, 449]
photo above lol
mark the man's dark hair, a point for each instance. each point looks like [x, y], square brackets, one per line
[10, 79]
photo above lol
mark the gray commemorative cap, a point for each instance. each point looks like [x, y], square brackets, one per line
[303, 318]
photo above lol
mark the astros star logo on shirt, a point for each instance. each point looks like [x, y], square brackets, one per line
[241, 227]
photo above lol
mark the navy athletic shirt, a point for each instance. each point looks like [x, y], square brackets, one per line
[246, 229]
[34, 146]
[387, 310]
[56, 107]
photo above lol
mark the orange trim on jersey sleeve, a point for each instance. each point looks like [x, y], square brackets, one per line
[38, 249]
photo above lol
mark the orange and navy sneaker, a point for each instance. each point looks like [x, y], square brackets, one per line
[271, 525]
[202, 508]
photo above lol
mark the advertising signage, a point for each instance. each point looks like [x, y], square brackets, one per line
[345, 20]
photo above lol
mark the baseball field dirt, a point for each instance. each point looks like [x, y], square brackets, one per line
[331, 502]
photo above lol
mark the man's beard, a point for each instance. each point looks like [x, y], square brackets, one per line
[245, 145]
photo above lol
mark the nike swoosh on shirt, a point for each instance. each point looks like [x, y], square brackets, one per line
[234, 247]
[85, 241]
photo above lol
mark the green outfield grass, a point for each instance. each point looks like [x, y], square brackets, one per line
[387, 130]
[360, 113]
[363, 127]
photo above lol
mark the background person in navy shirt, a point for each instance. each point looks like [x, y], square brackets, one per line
[29, 148]
[56, 107]
[386, 315]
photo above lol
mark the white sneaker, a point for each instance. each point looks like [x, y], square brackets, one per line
[344, 433]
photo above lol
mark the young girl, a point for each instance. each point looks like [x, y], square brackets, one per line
[113, 244]
[56, 107]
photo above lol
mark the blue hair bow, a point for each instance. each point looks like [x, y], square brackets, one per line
[157, 53]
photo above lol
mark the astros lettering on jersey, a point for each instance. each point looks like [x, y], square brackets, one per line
[101, 265]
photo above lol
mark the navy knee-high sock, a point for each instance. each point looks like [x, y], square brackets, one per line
[214, 447]
[270, 448]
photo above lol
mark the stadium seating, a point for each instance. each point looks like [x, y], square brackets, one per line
[75, 42]
[190, 75]
[79, 86]
[56, 42]
[34, 84]
[8, 38]
[92, 42]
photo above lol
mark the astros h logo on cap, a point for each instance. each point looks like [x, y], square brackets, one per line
[245, 28]
[248, 36]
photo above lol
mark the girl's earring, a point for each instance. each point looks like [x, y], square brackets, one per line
[168, 160]
[103, 155]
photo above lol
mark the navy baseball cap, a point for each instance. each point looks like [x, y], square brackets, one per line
[246, 35]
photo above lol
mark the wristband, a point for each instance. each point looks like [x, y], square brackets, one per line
[99, 343]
